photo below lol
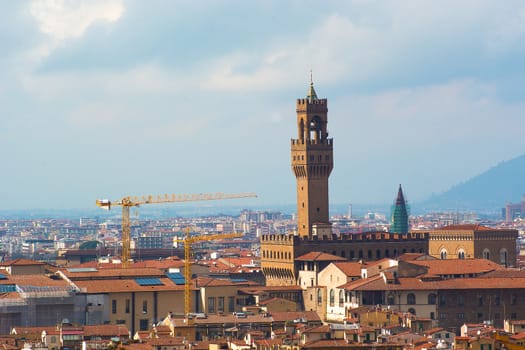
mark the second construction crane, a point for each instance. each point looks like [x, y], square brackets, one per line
[134, 201]
[188, 240]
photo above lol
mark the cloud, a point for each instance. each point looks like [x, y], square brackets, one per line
[63, 19]
[427, 137]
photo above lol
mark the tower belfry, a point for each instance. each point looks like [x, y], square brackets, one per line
[312, 163]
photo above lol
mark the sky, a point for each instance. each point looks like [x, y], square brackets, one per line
[103, 99]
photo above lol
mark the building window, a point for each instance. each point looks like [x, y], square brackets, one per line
[211, 305]
[231, 304]
[443, 254]
[442, 299]
[144, 326]
[411, 299]
[332, 297]
[480, 315]
[319, 297]
[341, 298]
[390, 299]
[432, 299]
[461, 254]
[127, 306]
[432, 316]
[460, 316]
[513, 316]
[145, 307]
[461, 299]
[486, 254]
[513, 300]
[442, 316]
[480, 300]
[497, 300]
[220, 304]
[114, 306]
[503, 256]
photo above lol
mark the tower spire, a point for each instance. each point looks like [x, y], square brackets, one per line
[311, 95]
[399, 214]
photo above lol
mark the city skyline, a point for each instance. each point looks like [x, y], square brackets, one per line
[104, 99]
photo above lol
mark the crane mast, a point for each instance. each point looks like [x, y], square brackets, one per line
[188, 240]
[135, 201]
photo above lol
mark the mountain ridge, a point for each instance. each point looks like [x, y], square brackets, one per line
[492, 189]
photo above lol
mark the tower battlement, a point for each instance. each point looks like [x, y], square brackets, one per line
[324, 142]
[279, 239]
[306, 101]
[306, 105]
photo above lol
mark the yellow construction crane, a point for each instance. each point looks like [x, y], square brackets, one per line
[135, 201]
[188, 240]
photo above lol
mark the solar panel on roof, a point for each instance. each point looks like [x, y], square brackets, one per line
[7, 288]
[239, 280]
[148, 282]
[176, 277]
[82, 269]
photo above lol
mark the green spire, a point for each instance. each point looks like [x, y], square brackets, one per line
[311, 95]
[399, 214]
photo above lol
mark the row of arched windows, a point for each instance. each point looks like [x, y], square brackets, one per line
[332, 297]
[503, 255]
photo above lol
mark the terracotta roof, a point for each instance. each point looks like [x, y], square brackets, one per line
[21, 262]
[433, 330]
[125, 285]
[469, 227]
[360, 282]
[107, 330]
[412, 283]
[34, 280]
[272, 300]
[268, 342]
[33, 331]
[319, 329]
[136, 346]
[287, 316]
[458, 266]
[518, 336]
[350, 268]
[219, 282]
[229, 318]
[410, 256]
[506, 273]
[112, 273]
[319, 256]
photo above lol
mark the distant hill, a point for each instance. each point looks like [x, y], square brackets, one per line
[490, 190]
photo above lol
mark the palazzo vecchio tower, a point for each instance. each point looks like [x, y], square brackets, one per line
[312, 163]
